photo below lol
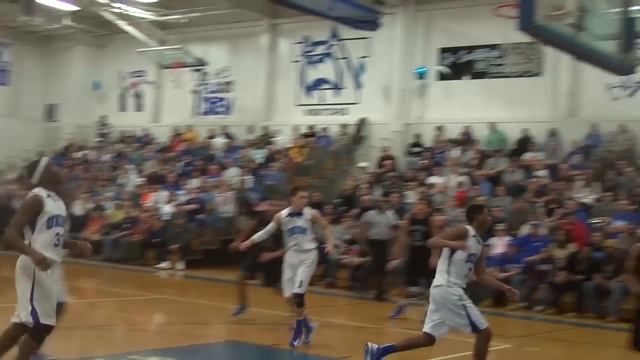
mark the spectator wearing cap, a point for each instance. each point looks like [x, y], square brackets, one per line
[607, 283]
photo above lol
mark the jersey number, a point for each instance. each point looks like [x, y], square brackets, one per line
[58, 240]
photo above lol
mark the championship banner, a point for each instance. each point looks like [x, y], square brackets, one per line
[213, 93]
[493, 61]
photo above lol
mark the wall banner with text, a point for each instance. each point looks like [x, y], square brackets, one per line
[492, 61]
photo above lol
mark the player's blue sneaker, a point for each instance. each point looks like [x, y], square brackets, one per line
[298, 334]
[241, 309]
[371, 352]
[309, 331]
[398, 311]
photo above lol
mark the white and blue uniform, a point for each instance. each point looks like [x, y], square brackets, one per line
[38, 291]
[449, 305]
[301, 257]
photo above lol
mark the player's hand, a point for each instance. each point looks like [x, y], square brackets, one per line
[393, 264]
[330, 249]
[268, 256]
[81, 249]
[234, 246]
[244, 246]
[512, 294]
[41, 262]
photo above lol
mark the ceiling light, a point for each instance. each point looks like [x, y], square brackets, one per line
[59, 4]
[147, 1]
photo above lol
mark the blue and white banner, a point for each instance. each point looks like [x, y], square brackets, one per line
[214, 92]
[5, 64]
[331, 72]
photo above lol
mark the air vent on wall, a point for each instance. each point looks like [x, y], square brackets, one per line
[51, 112]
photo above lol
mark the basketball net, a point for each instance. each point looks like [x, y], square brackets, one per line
[550, 9]
[177, 74]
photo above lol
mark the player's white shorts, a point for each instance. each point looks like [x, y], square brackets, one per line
[297, 269]
[38, 293]
[451, 308]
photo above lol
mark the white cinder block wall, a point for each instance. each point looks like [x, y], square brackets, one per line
[263, 61]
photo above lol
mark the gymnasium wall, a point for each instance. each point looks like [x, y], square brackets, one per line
[273, 82]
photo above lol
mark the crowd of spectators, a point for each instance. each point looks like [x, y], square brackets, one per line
[564, 214]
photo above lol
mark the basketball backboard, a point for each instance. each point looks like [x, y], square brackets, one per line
[600, 32]
[172, 57]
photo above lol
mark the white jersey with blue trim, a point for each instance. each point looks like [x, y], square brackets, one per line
[297, 229]
[455, 267]
[47, 233]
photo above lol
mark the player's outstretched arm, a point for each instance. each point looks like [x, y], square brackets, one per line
[483, 277]
[452, 238]
[630, 277]
[262, 234]
[14, 236]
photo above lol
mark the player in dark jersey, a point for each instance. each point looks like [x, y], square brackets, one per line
[633, 280]
[265, 256]
[411, 250]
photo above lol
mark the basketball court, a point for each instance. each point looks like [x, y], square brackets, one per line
[132, 313]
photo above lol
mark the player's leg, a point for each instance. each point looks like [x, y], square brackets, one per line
[481, 347]
[11, 336]
[465, 316]
[32, 342]
[42, 310]
[303, 331]
[248, 269]
[434, 327]
[21, 320]
[289, 267]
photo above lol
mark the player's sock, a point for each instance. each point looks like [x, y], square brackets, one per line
[298, 331]
[387, 349]
[241, 309]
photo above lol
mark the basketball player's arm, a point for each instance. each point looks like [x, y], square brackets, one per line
[262, 234]
[630, 276]
[14, 236]
[328, 232]
[244, 235]
[483, 277]
[453, 238]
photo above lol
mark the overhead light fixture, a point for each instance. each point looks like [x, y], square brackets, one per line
[59, 4]
[133, 11]
[147, 1]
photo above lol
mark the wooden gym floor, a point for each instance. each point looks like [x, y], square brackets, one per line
[117, 313]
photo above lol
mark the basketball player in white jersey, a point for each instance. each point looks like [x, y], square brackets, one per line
[462, 257]
[37, 232]
[301, 256]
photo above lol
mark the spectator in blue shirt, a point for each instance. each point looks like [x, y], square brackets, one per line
[537, 262]
[324, 139]
[625, 216]
[506, 267]
[593, 140]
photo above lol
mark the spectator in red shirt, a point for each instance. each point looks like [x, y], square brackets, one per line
[576, 229]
